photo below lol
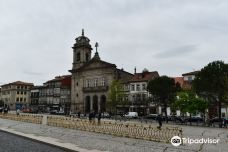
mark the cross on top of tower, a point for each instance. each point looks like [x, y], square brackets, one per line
[82, 32]
[96, 45]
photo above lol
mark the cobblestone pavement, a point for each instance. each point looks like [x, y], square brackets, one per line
[12, 143]
[102, 142]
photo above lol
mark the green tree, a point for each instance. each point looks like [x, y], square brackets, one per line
[188, 101]
[212, 83]
[116, 95]
[163, 90]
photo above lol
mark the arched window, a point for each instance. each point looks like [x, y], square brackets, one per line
[87, 57]
[78, 56]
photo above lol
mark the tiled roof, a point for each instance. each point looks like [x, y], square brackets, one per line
[191, 73]
[92, 61]
[59, 78]
[145, 76]
[19, 83]
[180, 80]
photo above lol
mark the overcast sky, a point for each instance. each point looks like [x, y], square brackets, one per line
[168, 36]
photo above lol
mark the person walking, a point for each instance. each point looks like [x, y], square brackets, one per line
[90, 117]
[93, 117]
[18, 112]
[99, 118]
[79, 114]
[159, 119]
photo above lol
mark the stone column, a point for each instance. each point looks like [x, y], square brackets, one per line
[99, 103]
[91, 103]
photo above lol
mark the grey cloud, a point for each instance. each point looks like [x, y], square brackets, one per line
[179, 51]
[39, 34]
[33, 73]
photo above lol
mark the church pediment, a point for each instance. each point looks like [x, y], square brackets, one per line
[97, 64]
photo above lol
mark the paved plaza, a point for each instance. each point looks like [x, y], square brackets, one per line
[20, 144]
[88, 141]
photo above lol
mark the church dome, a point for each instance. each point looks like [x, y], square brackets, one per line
[145, 70]
[82, 41]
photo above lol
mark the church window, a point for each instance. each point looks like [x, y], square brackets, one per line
[87, 57]
[78, 56]
[90, 83]
[144, 86]
[102, 82]
[95, 82]
[138, 87]
[132, 87]
[87, 83]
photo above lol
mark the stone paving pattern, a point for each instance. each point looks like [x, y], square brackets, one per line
[102, 142]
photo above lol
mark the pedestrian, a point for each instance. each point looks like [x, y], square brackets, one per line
[159, 119]
[90, 117]
[79, 114]
[224, 123]
[93, 117]
[5, 110]
[99, 118]
[18, 112]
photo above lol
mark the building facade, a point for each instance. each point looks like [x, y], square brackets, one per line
[187, 79]
[34, 98]
[16, 95]
[138, 94]
[54, 95]
[1, 102]
[91, 78]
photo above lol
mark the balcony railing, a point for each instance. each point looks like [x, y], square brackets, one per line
[95, 89]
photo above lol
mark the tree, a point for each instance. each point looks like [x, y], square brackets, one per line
[212, 82]
[163, 89]
[115, 95]
[188, 101]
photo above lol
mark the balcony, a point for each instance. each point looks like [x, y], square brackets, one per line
[95, 89]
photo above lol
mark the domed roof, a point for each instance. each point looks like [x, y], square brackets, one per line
[82, 41]
[145, 70]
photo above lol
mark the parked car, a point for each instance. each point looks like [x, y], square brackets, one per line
[131, 115]
[61, 112]
[26, 110]
[216, 121]
[194, 119]
[179, 119]
[105, 115]
[73, 115]
[54, 112]
[151, 116]
[1, 109]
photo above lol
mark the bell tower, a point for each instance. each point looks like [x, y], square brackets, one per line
[81, 51]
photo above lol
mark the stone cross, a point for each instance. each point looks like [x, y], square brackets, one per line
[82, 32]
[96, 45]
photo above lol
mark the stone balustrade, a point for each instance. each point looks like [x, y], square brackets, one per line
[131, 130]
[122, 129]
[31, 118]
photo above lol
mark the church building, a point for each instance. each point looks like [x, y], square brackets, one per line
[91, 78]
